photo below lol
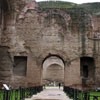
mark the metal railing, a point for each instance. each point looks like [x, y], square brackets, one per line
[19, 94]
[76, 94]
[93, 97]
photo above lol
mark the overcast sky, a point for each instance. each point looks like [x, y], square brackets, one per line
[75, 1]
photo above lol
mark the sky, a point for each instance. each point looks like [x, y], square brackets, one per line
[75, 1]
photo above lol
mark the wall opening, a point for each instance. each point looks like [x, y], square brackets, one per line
[20, 65]
[87, 67]
[53, 71]
[85, 71]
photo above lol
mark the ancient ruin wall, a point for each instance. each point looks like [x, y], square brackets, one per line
[36, 34]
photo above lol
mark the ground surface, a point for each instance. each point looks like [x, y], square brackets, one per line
[50, 93]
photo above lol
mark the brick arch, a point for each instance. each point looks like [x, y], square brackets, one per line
[61, 54]
[59, 19]
[53, 55]
[52, 62]
[55, 60]
[58, 12]
[56, 15]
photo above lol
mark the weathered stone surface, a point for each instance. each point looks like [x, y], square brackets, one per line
[39, 35]
[5, 65]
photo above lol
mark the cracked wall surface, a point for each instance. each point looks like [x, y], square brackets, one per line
[36, 34]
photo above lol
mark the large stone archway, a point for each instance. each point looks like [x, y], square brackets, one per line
[53, 70]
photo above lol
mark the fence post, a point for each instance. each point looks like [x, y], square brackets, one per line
[95, 98]
[75, 94]
[6, 96]
[85, 96]
[89, 97]
[20, 93]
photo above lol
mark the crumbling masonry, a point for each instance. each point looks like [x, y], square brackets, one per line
[34, 41]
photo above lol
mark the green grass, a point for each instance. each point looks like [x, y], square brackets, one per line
[16, 94]
[94, 94]
[90, 94]
[12, 95]
[1, 95]
[80, 96]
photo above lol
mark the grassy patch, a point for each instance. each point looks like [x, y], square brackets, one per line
[18, 94]
[90, 95]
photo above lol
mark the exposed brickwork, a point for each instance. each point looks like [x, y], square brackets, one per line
[5, 65]
[41, 34]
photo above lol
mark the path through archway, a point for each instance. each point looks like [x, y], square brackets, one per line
[53, 71]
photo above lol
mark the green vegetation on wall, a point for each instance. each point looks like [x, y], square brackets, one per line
[56, 4]
[93, 8]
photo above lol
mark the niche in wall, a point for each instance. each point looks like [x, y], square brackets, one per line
[20, 65]
[87, 67]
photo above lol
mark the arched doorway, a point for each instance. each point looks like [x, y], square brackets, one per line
[53, 71]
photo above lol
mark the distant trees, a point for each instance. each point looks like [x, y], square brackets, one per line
[93, 8]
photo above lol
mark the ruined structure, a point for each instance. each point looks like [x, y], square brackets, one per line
[54, 44]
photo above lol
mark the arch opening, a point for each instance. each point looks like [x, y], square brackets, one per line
[53, 71]
[55, 18]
